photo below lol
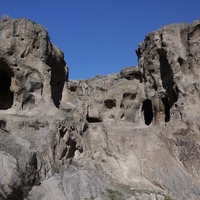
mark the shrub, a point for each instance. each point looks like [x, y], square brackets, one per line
[56, 170]
[114, 195]
[37, 182]
[167, 198]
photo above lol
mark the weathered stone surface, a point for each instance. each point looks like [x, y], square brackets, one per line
[131, 73]
[32, 74]
[31, 68]
[132, 135]
[155, 116]
[18, 166]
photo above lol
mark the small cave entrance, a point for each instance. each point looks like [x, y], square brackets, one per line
[110, 103]
[169, 100]
[59, 75]
[148, 111]
[6, 96]
[93, 119]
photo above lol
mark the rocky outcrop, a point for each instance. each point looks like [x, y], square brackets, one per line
[31, 68]
[168, 59]
[154, 110]
[32, 74]
[132, 135]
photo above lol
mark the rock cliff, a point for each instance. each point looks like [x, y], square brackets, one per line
[131, 135]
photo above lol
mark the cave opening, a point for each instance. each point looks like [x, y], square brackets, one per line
[93, 119]
[6, 96]
[168, 82]
[110, 103]
[56, 92]
[148, 111]
[59, 76]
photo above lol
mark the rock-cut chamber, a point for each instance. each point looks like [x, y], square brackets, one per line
[148, 111]
[6, 96]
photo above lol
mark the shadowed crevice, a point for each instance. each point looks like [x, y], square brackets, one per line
[148, 111]
[56, 92]
[167, 109]
[168, 83]
[6, 96]
[93, 119]
[165, 70]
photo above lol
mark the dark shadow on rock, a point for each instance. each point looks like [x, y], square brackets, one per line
[148, 111]
[6, 96]
[168, 83]
[16, 194]
[56, 92]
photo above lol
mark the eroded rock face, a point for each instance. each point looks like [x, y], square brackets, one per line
[148, 116]
[132, 135]
[32, 70]
[32, 75]
[168, 59]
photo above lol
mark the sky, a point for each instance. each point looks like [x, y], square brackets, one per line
[99, 37]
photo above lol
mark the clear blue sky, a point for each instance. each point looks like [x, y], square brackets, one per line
[101, 36]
